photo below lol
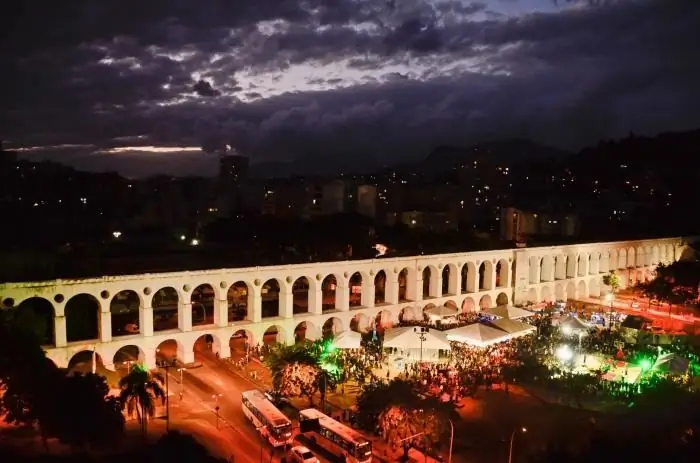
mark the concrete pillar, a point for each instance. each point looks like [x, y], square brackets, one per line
[149, 360]
[185, 354]
[435, 286]
[367, 296]
[418, 290]
[342, 296]
[105, 326]
[184, 316]
[146, 321]
[315, 299]
[254, 304]
[473, 279]
[453, 283]
[391, 288]
[59, 329]
[224, 349]
[286, 303]
[221, 312]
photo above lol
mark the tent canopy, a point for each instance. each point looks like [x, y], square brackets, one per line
[513, 327]
[404, 337]
[347, 340]
[573, 324]
[477, 334]
[438, 313]
[672, 363]
[507, 311]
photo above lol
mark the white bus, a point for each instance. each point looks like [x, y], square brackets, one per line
[353, 444]
[271, 422]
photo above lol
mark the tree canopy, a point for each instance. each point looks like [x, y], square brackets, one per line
[677, 283]
[75, 409]
[401, 413]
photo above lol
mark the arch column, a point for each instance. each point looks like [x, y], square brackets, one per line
[391, 289]
[435, 286]
[221, 312]
[146, 319]
[184, 354]
[105, 325]
[367, 296]
[254, 304]
[414, 286]
[286, 302]
[473, 280]
[418, 288]
[315, 299]
[149, 360]
[59, 329]
[342, 296]
[224, 350]
[184, 316]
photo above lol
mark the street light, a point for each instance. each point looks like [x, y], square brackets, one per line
[167, 366]
[216, 407]
[452, 439]
[512, 439]
[421, 331]
[611, 299]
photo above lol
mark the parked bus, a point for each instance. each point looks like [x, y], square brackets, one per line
[353, 444]
[272, 423]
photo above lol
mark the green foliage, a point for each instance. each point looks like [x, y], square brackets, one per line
[140, 391]
[74, 409]
[398, 407]
[85, 415]
[282, 355]
[305, 368]
[676, 284]
[611, 279]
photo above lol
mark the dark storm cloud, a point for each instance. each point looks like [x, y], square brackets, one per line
[174, 72]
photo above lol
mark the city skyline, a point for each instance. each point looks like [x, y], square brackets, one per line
[141, 93]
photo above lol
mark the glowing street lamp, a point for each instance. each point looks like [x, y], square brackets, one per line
[611, 299]
[512, 439]
[564, 353]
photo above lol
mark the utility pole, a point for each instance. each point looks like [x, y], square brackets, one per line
[167, 366]
[421, 332]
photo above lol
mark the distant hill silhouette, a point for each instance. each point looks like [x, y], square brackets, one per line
[511, 150]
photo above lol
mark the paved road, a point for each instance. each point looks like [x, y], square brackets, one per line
[205, 386]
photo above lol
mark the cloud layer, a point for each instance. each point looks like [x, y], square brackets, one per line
[387, 79]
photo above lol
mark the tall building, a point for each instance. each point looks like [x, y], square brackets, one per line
[367, 200]
[233, 176]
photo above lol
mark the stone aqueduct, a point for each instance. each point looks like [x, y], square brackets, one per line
[345, 295]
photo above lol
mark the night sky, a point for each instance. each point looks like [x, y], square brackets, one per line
[140, 86]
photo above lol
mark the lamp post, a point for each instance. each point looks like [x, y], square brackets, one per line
[216, 407]
[512, 439]
[167, 366]
[611, 298]
[452, 439]
[421, 331]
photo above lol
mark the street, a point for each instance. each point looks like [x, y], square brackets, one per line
[207, 385]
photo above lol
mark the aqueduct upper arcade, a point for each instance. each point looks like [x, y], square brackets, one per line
[143, 311]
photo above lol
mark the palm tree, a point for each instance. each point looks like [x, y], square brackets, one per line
[140, 390]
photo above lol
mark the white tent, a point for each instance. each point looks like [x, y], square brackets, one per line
[347, 340]
[477, 334]
[513, 327]
[503, 311]
[404, 337]
[440, 313]
[672, 363]
[573, 324]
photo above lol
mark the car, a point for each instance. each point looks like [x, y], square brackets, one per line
[635, 305]
[301, 454]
